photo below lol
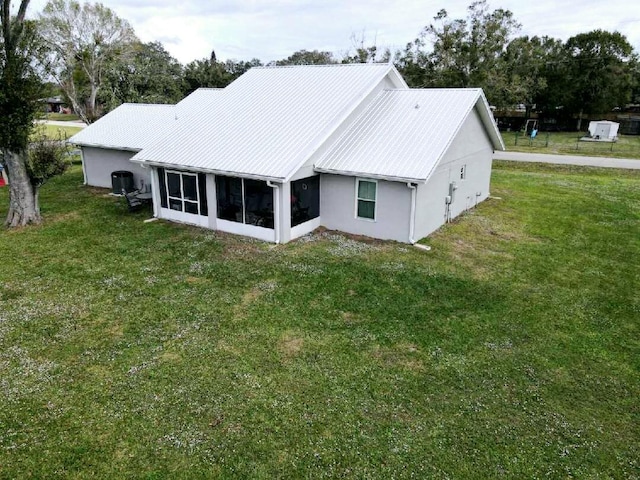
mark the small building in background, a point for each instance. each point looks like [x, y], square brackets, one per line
[603, 130]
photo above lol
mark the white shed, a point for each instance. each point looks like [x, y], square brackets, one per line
[603, 130]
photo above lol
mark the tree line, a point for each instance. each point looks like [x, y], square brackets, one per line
[96, 60]
[99, 63]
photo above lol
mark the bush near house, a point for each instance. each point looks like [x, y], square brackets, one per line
[164, 351]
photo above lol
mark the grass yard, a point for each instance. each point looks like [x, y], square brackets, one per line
[55, 131]
[62, 117]
[511, 350]
[627, 146]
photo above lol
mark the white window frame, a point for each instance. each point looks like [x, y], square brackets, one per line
[181, 198]
[375, 200]
[463, 172]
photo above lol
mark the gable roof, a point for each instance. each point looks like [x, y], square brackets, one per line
[269, 121]
[403, 134]
[131, 126]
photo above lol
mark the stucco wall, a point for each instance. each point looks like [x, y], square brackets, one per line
[471, 148]
[393, 208]
[100, 162]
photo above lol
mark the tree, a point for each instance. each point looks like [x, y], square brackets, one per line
[526, 62]
[206, 73]
[464, 52]
[147, 74]
[19, 88]
[236, 68]
[305, 57]
[600, 69]
[361, 52]
[83, 40]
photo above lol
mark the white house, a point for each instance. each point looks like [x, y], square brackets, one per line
[284, 150]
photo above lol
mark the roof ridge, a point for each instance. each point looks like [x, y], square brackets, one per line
[148, 104]
[266, 67]
[433, 89]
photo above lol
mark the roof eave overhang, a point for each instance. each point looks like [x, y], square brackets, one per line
[226, 173]
[105, 146]
[390, 178]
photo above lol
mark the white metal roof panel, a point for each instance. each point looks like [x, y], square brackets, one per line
[268, 121]
[403, 134]
[197, 99]
[131, 126]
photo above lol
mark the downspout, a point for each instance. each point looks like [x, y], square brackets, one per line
[412, 218]
[84, 169]
[276, 210]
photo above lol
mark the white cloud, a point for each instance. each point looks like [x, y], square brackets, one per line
[270, 30]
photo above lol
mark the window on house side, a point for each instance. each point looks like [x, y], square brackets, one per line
[366, 191]
[245, 201]
[182, 191]
[463, 172]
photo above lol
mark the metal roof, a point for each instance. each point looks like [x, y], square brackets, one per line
[267, 122]
[403, 134]
[196, 99]
[131, 126]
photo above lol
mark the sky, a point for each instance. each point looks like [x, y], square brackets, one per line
[273, 30]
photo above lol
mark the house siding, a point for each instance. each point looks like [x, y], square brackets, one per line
[338, 203]
[99, 163]
[471, 148]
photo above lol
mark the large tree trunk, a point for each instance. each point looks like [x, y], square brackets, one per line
[23, 196]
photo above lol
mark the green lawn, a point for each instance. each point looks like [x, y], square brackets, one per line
[62, 117]
[55, 131]
[155, 350]
[627, 146]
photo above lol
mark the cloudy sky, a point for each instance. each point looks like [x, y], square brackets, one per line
[273, 29]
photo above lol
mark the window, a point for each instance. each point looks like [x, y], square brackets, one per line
[463, 172]
[245, 201]
[183, 191]
[305, 200]
[366, 199]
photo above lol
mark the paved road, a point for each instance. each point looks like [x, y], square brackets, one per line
[605, 162]
[58, 123]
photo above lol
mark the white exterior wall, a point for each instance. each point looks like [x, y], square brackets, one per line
[338, 208]
[99, 163]
[471, 148]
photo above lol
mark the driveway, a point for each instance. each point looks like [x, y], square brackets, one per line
[605, 162]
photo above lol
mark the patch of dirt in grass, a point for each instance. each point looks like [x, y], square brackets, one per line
[253, 294]
[63, 217]
[290, 345]
[350, 318]
[99, 371]
[170, 357]
[192, 280]
[226, 347]
[403, 355]
[116, 330]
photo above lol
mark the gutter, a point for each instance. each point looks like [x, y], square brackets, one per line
[276, 210]
[412, 218]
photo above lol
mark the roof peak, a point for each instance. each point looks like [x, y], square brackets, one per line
[265, 67]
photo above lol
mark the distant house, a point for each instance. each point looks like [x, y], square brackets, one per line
[53, 104]
[284, 150]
